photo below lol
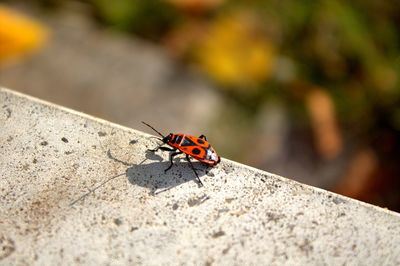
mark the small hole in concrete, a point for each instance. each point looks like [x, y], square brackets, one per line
[101, 133]
[218, 234]
[117, 221]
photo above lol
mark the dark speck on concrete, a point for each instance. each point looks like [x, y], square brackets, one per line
[7, 247]
[274, 217]
[338, 200]
[228, 169]
[218, 234]
[197, 201]
[101, 133]
[117, 221]
[8, 110]
[175, 206]
[44, 143]
[229, 200]
[306, 246]
[64, 139]
[134, 141]
[225, 250]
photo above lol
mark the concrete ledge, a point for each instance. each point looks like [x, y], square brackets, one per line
[80, 190]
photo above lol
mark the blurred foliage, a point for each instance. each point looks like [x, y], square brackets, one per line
[149, 19]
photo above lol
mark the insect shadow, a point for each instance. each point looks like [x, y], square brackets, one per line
[153, 176]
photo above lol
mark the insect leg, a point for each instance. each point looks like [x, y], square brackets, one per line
[203, 137]
[166, 149]
[194, 170]
[171, 157]
[161, 148]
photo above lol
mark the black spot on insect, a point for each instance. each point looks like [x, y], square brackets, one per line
[200, 141]
[187, 142]
[196, 151]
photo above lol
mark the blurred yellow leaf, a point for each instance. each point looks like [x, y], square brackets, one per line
[235, 52]
[18, 35]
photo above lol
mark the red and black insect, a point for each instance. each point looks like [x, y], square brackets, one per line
[196, 147]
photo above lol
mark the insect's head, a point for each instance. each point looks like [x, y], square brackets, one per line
[212, 156]
[163, 138]
[167, 138]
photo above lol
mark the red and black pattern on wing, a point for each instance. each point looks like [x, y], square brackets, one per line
[175, 140]
[196, 147]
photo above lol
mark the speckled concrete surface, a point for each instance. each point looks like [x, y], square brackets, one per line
[79, 190]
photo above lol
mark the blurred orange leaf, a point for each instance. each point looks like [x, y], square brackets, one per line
[328, 138]
[18, 34]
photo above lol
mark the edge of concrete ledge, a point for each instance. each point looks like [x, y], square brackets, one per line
[67, 199]
[128, 129]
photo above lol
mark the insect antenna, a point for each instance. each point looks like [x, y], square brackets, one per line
[153, 129]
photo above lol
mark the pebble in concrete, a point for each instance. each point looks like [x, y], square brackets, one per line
[79, 190]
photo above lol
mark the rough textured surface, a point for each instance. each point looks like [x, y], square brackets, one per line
[78, 190]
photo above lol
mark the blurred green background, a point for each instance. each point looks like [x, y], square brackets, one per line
[306, 89]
